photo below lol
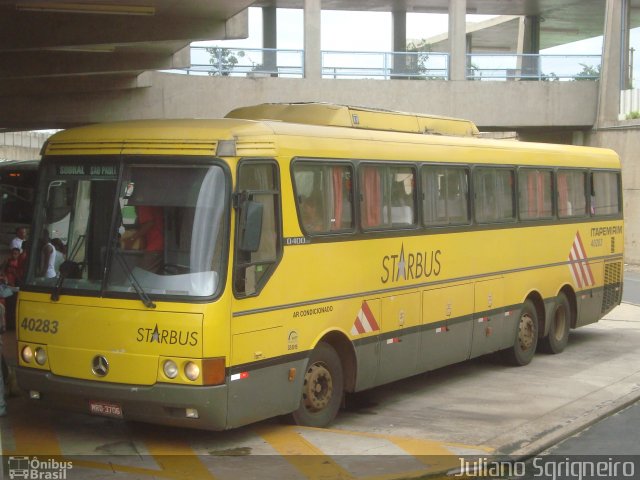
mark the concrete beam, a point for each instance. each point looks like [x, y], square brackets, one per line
[23, 89]
[58, 63]
[67, 31]
[550, 105]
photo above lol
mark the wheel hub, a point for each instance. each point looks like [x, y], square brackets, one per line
[526, 332]
[318, 387]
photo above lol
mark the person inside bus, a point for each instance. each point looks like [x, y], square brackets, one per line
[48, 258]
[21, 236]
[151, 233]
[61, 253]
[310, 213]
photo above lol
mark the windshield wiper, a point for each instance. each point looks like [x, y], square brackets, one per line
[67, 268]
[132, 279]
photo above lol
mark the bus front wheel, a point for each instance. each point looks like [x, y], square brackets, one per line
[558, 336]
[322, 389]
[524, 346]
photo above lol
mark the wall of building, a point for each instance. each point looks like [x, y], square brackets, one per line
[21, 145]
[625, 139]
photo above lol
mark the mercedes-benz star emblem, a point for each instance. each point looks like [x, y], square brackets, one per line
[99, 366]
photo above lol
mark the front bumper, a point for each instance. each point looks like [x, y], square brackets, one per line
[160, 403]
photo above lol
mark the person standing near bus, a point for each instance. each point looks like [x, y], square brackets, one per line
[21, 236]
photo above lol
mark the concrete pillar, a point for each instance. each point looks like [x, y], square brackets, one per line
[614, 49]
[312, 35]
[469, 50]
[626, 73]
[401, 63]
[269, 38]
[529, 66]
[457, 39]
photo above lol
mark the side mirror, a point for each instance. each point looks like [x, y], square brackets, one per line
[250, 225]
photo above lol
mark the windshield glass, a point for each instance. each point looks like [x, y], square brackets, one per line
[112, 227]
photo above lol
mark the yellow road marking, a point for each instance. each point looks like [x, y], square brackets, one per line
[175, 456]
[38, 437]
[434, 454]
[304, 456]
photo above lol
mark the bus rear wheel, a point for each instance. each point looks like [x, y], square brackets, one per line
[558, 336]
[322, 389]
[526, 340]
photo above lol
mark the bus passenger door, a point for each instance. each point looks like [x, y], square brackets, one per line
[400, 340]
[446, 329]
[489, 321]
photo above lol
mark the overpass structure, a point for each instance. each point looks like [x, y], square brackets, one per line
[66, 63]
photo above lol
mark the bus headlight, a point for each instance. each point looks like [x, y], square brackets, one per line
[170, 369]
[192, 371]
[41, 356]
[27, 354]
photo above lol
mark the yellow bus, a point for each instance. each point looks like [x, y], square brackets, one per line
[219, 272]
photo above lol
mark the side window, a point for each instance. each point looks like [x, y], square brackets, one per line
[324, 197]
[605, 194]
[446, 195]
[494, 194]
[387, 196]
[535, 193]
[258, 242]
[572, 198]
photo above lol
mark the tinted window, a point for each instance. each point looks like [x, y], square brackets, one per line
[605, 195]
[324, 197]
[493, 189]
[572, 199]
[535, 193]
[446, 195]
[387, 196]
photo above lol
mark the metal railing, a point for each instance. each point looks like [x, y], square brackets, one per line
[385, 65]
[271, 62]
[532, 67]
[246, 62]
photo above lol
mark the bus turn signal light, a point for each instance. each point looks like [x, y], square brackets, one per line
[213, 371]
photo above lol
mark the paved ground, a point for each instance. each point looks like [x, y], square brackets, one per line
[407, 429]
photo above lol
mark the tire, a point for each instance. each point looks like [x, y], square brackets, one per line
[526, 338]
[322, 390]
[559, 327]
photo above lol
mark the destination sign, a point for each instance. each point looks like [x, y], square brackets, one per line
[77, 170]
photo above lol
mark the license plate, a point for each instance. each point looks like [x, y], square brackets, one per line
[105, 409]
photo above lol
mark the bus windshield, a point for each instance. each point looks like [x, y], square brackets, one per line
[113, 227]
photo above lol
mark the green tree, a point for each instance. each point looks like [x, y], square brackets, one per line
[588, 72]
[223, 60]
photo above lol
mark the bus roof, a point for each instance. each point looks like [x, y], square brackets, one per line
[357, 117]
[272, 137]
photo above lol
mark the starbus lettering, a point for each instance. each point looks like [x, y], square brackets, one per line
[167, 337]
[410, 266]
